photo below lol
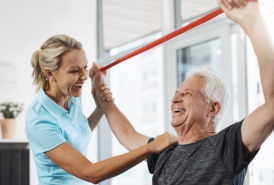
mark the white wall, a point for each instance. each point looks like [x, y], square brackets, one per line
[25, 25]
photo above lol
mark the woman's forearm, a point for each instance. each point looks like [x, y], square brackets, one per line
[95, 118]
[116, 165]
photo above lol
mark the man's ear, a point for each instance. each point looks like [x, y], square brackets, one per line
[49, 75]
[214, 109]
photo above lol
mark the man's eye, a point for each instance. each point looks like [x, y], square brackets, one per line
[74, 71]
[85, 67]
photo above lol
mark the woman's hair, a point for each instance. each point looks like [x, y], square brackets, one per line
[50, 56]
[214, 89]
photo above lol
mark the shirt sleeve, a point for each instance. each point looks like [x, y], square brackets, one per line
[43, 135]
[228, 146]
[152, 160]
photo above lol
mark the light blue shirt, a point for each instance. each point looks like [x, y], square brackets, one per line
[47, 126]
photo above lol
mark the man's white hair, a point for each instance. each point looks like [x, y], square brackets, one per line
[214, 89]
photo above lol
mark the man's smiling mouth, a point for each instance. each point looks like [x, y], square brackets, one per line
[178, 110]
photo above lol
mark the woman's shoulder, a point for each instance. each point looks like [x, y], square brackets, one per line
[36, 112]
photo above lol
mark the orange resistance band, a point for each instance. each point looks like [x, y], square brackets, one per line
[167, 37]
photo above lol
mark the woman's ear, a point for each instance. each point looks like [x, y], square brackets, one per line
[49, 75]
[214, 109]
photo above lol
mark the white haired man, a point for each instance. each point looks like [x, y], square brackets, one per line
[202, 156]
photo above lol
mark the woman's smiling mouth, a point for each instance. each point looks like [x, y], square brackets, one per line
[77, 87]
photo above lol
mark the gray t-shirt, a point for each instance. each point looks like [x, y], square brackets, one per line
[215, 160]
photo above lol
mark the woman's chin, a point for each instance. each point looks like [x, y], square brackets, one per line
[76, 94]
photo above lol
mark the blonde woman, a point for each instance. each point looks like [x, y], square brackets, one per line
[56, 128]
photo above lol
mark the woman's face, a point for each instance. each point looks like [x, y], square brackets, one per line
[72, 73]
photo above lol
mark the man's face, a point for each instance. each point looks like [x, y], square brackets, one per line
[188, 105]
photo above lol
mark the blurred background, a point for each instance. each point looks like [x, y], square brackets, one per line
[144, 85]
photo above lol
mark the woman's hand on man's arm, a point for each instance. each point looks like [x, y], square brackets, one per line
[73, 162]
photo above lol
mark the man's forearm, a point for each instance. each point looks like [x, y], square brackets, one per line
[94, 118]
[264, 49]
[120, 125]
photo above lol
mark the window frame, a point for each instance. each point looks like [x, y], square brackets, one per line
[171, 19]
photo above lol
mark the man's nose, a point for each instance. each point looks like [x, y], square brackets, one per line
[175, 99]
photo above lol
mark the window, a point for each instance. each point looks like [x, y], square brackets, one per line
[263, 163]
[137, 87]
[203, 55]
[136, 83]
[261, 170]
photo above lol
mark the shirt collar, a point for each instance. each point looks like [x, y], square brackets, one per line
[51, 106]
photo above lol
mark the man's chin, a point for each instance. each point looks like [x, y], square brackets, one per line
[176, 124]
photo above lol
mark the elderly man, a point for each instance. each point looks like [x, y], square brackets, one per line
[202, 156]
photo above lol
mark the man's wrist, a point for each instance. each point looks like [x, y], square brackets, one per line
[99, 110]
[250, 22]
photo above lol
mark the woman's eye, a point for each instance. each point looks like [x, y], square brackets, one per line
[74, 71]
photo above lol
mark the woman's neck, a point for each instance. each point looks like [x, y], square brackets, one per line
[57, 97]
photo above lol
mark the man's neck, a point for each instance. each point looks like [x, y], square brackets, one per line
[194, 133]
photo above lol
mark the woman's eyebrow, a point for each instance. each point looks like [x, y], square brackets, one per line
[76, 66]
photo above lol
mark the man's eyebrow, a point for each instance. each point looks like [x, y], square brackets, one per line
[188, 89]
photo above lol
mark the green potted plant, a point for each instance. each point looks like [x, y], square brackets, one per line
[10, 111]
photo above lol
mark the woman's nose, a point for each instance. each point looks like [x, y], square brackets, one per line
[84, 75]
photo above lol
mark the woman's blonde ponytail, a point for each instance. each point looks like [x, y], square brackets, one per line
[50, 56]
[37, 74]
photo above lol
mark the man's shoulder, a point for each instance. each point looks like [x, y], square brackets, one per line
[155, 158]
[167, 150]
[234, 128]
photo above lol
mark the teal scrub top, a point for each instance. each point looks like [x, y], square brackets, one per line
[47, 126]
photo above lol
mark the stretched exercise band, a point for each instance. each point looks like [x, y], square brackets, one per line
[167, 37]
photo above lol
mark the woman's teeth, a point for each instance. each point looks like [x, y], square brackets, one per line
[77, 87]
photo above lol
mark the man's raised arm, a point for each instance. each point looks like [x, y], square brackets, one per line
[120, 126]
[259, 124]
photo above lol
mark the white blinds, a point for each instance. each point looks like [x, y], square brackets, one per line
[194, 8]
[128, 20]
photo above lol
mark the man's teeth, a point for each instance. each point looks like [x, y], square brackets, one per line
[78, 85]
[178, 110]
